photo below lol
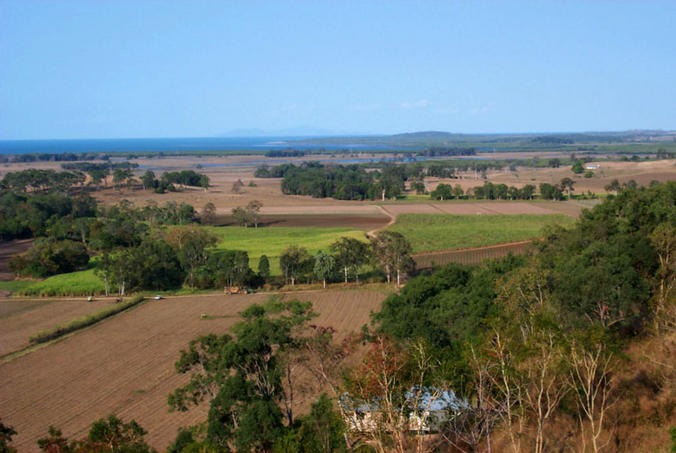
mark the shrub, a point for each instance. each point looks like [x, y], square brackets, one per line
[47, 258]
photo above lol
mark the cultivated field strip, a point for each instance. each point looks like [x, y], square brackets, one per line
[125, 364]
[471, 256]
[24, 318]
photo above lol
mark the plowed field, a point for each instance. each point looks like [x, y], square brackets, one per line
[125, 364]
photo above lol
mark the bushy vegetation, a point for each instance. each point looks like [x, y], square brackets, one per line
[349, 182]
[50, 257]
[31, 215]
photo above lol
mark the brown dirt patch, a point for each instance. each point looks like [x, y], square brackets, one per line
[360, 222]
[125, 365]
[19, 319]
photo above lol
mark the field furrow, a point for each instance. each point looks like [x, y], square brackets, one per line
[125, 364]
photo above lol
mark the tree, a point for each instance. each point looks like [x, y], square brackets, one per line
[291, 261]
[324, 264]
[577, 167]
[6, 434]
[442, 192]
[393, 253]
[105, 435]
[253, 209]
[350, 255]
[567, 184]
[264, 266]
[591, 381]
[241, 216]
[237, 186]
[208, 214]
[192, 248]
[389, 394]
[204, 182]
[663, 239]
[613, 186]
[148, 180]
[242, 376]
[457, 191]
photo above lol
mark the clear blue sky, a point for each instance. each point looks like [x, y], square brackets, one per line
[104, 68]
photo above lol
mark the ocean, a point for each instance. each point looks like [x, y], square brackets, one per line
[169, 144]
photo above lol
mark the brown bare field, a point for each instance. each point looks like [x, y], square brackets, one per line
[125, 364]
[19, 319]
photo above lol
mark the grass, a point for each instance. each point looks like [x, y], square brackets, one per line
[80, 323]
[71, 284]
[15, 286]
[431, 232]
[273, 241]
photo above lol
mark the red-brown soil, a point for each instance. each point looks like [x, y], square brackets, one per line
[125, 364]
[20, 318]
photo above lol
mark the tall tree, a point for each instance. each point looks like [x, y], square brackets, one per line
[253, 209]
[192, 246]
[393, 253]
[292, 261]
[350, 254]
[324, 264]
[208, 214]
[242, 376]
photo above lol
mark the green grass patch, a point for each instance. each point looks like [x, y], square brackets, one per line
[71, 284]
[431, 232]
[15, 286]
[80, 323]
[273, 241]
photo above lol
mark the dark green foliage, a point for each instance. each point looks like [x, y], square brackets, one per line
[349, 182]
[226, 268]
[442, 192]
[31, 215]
[6, 434]
[105, 435]
[577, 167]
[601, 269]
[320, 431]
[492, 191]
[295, 262]
[264, 266]
[36, 180]
[551, 192]
[183, 440]
[242, 375]
[48, 257]
[350, 255]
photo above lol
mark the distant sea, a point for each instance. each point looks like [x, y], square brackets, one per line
[169, 144]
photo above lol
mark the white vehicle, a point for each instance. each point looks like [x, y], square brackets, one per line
[158, 297]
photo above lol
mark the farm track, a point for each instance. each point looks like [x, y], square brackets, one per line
[125, 364]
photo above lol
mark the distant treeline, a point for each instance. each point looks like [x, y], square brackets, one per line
[342, 182]
[447, 151]
[285, 153]
[88, 166]
[48, 157]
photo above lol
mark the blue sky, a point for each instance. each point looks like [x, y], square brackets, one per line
[104, 68]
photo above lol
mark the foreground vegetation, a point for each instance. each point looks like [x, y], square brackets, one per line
[431, 232]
